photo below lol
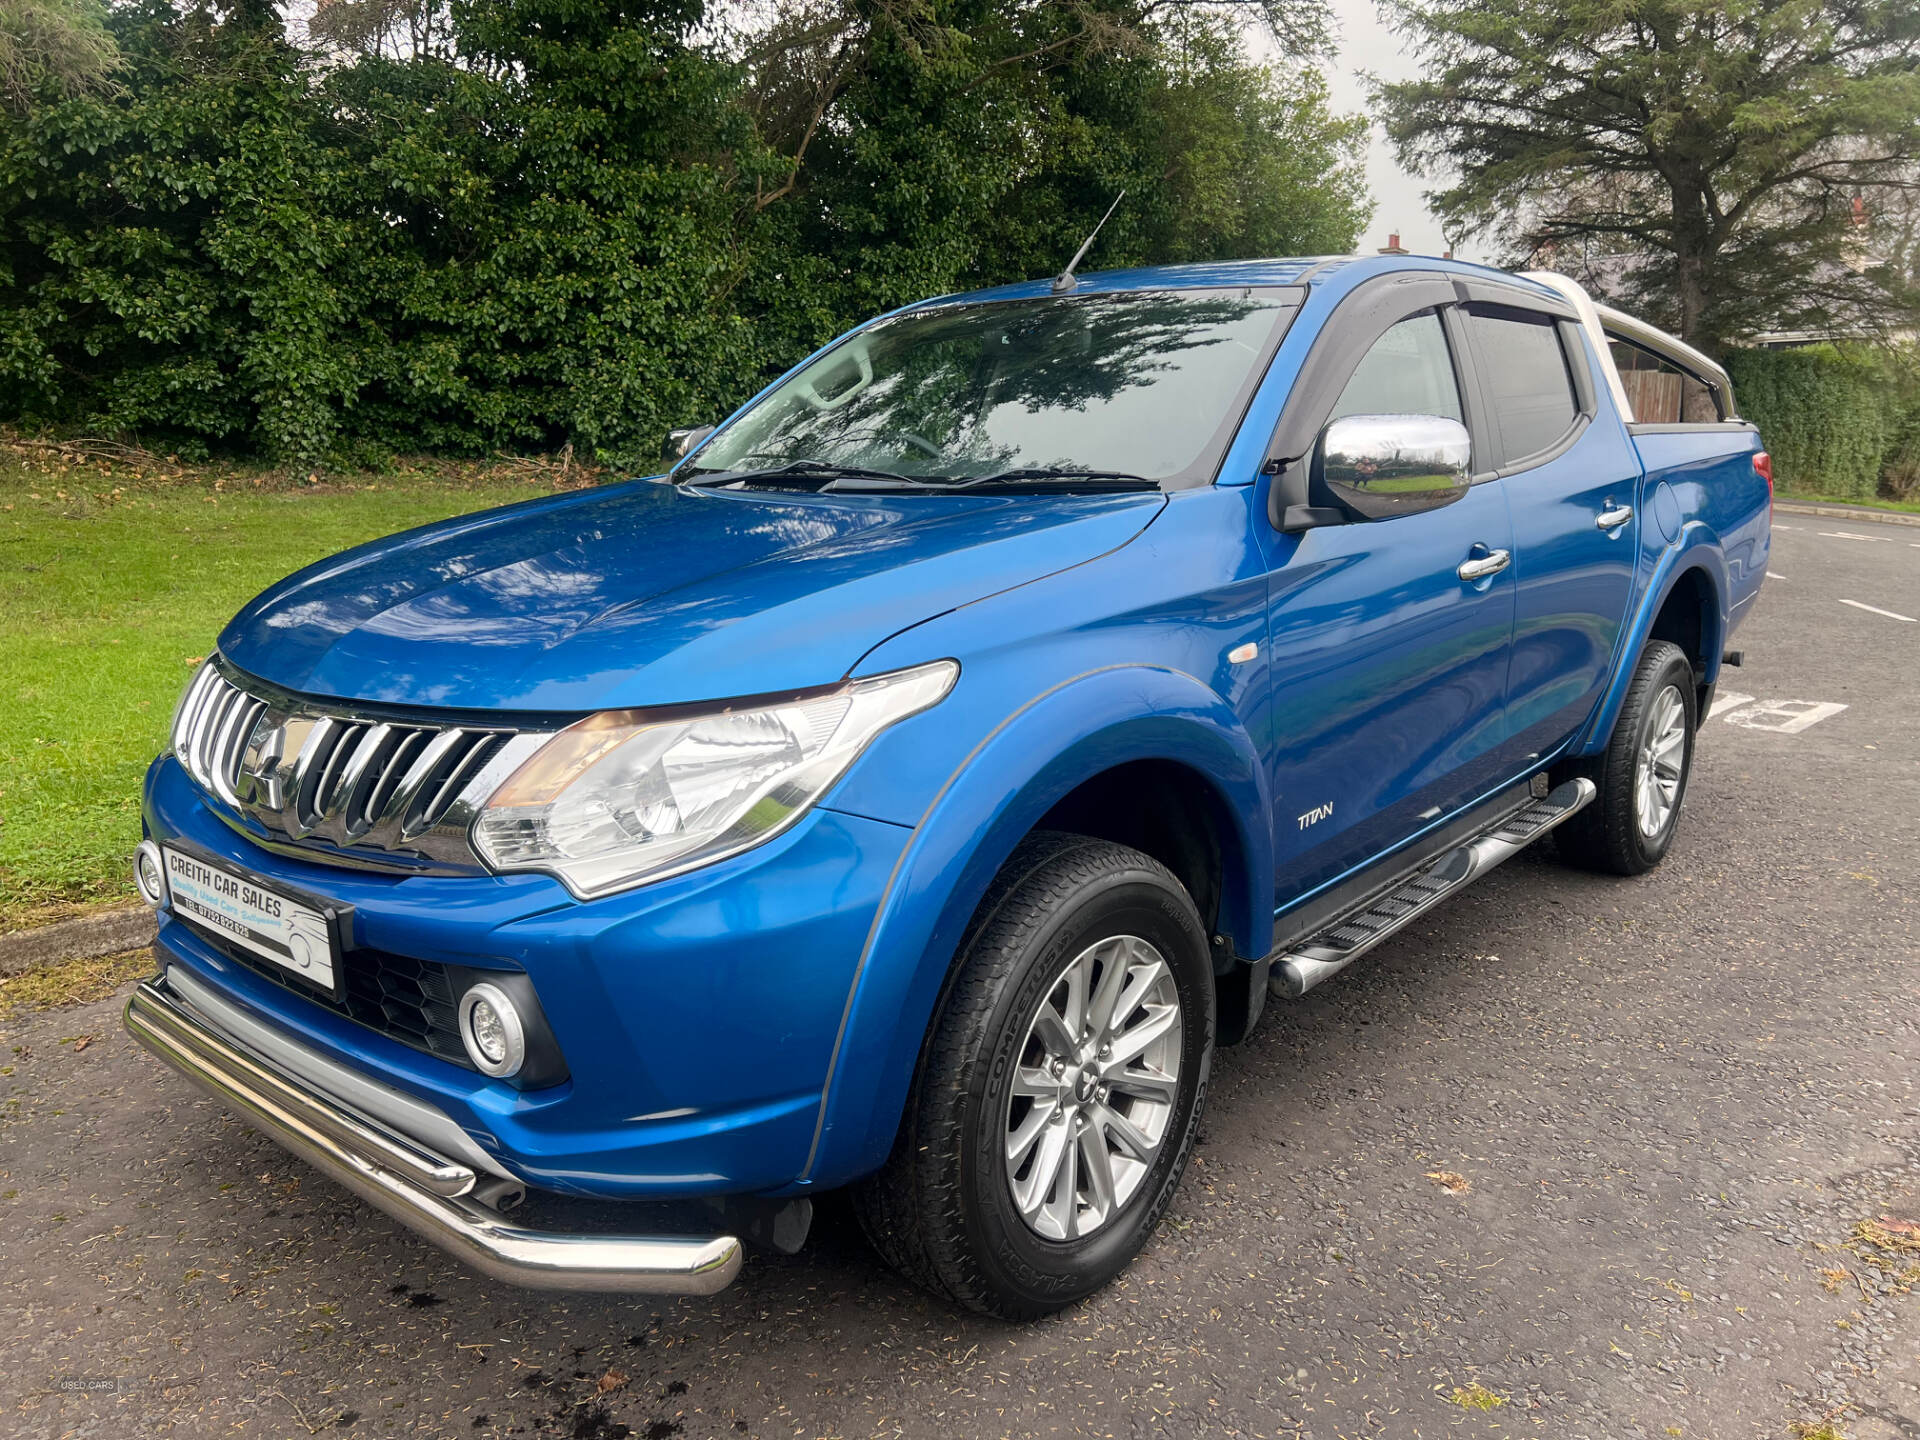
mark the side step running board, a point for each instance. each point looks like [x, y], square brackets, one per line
[1348, 938]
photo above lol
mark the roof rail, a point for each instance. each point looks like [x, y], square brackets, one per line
[1599, 319]
[1670, 347]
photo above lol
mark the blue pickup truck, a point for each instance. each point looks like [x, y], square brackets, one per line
[913, 788]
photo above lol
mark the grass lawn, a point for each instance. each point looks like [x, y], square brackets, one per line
[115, 577]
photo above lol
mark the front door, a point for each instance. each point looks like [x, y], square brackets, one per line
[1388, 669]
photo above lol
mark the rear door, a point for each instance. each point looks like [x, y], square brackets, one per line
[1388, 670]
[1572, 480]
[1698, 462]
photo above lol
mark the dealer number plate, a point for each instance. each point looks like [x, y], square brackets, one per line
[249, 914]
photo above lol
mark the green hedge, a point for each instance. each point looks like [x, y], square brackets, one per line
[1834, 418]
[580, 222]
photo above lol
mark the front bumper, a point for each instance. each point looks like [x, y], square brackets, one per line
[698, 1015]
[426, 1192]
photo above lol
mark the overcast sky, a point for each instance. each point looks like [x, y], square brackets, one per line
[1367, 44]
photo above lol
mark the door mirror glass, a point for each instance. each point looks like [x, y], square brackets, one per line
[684, 441]
[1381, 466]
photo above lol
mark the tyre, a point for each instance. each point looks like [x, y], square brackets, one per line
[1060, 1089]
[1642, 774]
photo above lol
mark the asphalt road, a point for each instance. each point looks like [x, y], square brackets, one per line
[1673, 1100]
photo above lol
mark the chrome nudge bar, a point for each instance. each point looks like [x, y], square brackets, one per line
[425, 1192]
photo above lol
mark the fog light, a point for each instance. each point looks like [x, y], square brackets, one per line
[149, 876]
[490, 1028]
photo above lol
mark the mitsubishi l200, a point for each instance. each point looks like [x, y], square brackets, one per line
[911, 789]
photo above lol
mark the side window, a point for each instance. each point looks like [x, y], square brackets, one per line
[1409, 371]
[1660, 392]
[1528, 385]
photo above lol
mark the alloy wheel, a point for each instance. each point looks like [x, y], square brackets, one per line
[1661, 766]
[1094, 1087]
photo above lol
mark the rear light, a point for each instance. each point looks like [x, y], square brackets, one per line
[1763, 464]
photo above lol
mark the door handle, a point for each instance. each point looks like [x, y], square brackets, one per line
[1480, 567]
[1613, 519]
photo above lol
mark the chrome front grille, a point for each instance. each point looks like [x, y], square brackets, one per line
[352, 779]
[325, 776]
[211, 731]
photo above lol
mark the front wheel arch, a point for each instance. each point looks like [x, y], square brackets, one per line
[1029, 764]
[948, 1208]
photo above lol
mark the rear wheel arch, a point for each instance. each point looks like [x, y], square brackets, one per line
[1690, 617]
[1684, 603]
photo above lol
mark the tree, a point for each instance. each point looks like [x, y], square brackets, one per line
[1698, 158]
[52, 47]
[958, 143]
[1250, 159]
[166, 262]
[467, 225]
[398, 29]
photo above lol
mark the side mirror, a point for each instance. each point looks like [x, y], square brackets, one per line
[1381, 466]
[684, 441]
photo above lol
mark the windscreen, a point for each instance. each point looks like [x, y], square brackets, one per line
[1145, 383]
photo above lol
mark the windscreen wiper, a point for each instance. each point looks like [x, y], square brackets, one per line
[1065, 476]
[1050, 477]
[822, 475]
[808, 470]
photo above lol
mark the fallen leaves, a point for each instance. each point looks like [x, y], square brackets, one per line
[1476, 1397]
[72, 982]
[1451, 1181]
[1887, 1249]
[609, 1382]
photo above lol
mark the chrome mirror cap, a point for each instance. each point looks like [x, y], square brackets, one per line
[1382, 466]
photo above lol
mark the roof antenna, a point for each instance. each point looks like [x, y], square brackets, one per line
[1065, 280]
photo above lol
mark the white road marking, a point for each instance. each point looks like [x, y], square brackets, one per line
[1849, 535]
[1786, 527]
[1787, 717]
[1772, 576]
[1727, 700]
[1875, 609]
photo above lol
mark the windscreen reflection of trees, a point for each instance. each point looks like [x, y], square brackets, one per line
[1082, 374]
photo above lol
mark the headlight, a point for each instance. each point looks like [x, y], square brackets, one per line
[624, 796]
